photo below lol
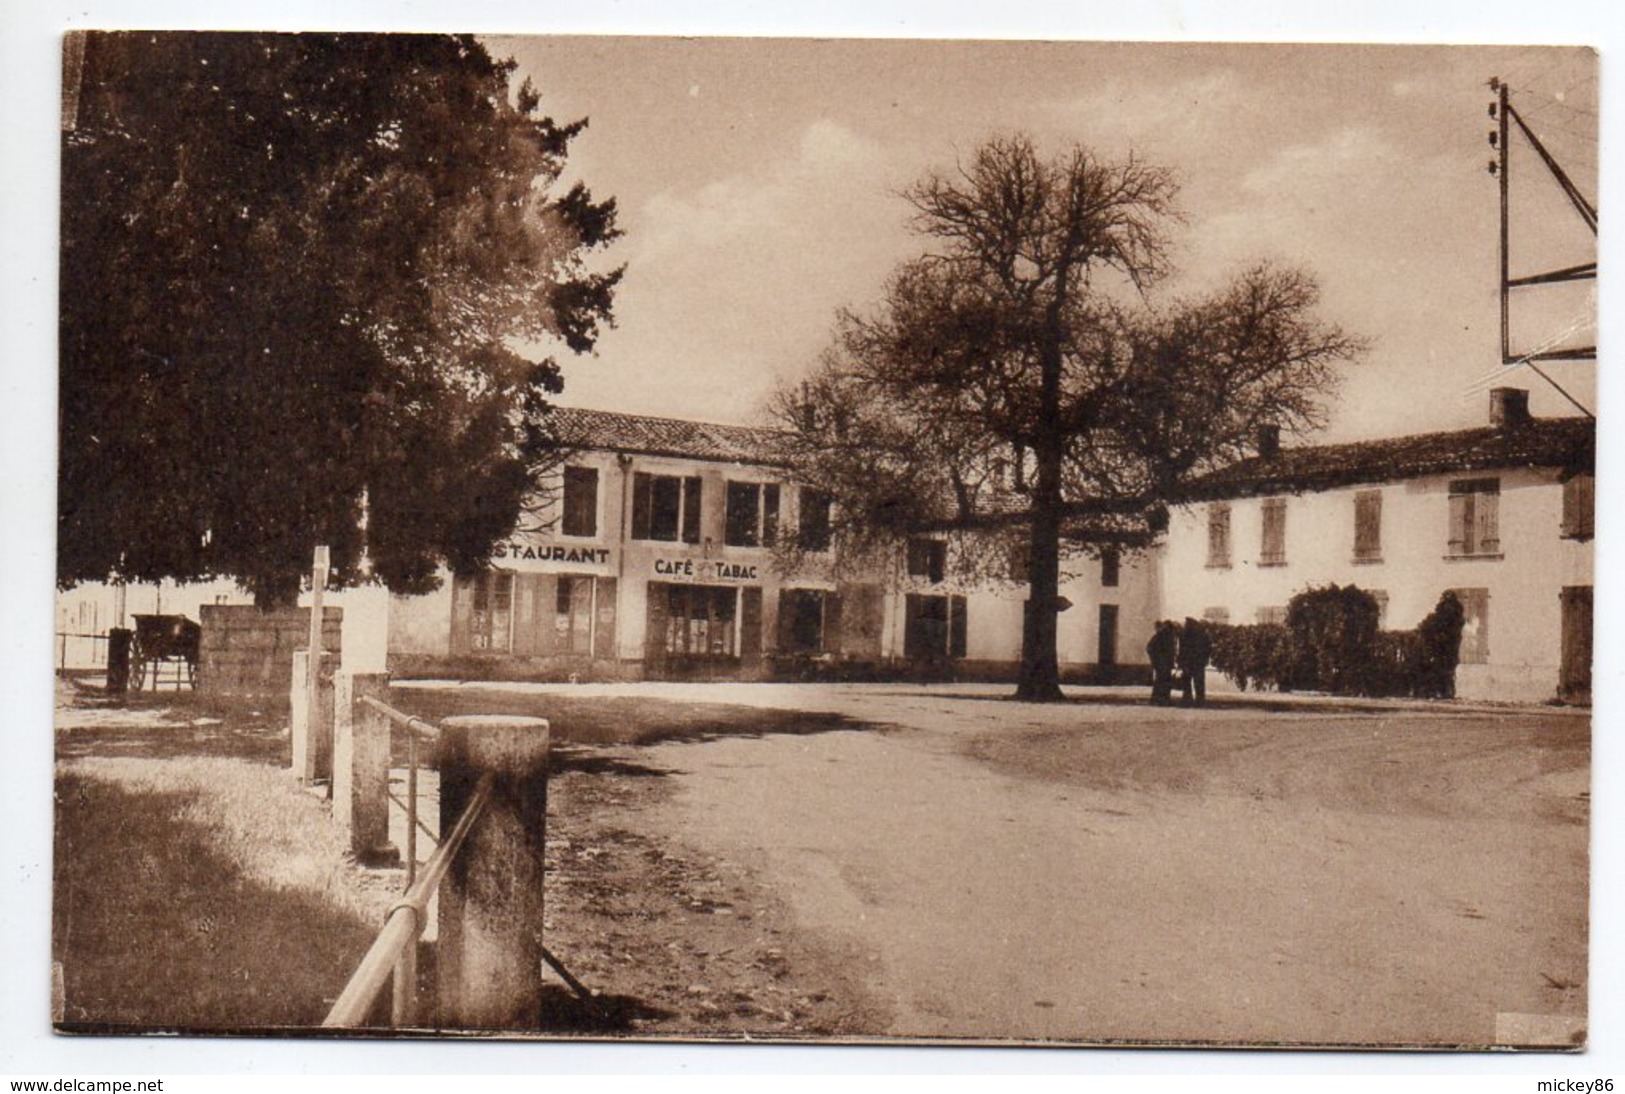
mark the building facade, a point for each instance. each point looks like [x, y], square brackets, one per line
[1500, 515]
[652, 555]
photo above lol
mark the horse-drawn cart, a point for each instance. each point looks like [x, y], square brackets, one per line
[164, 640]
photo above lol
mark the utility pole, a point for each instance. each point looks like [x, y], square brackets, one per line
[1506, 116]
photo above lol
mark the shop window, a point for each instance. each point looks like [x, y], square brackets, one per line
[1111, 561]
[572, 618]
[580, 501]
[701, 620]
[491, 620]
[1579, 502]
[666, 508]
[1218, 534]
[1475, 629]
[816, 530]
[927, 558]
[1475, 506]
[752, 518]
[1368, 526]
[1381, 597]
[1272, 551]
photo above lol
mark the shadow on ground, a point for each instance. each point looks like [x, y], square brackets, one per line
[166, 727]
[628, 720]
[156, 929]
[563, 1011]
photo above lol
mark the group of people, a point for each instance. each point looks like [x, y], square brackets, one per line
[1188, 649]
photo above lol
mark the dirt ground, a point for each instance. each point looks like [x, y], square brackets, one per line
[939, 865]
[858, 862]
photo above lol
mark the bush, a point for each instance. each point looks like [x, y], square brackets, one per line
[1331, 643]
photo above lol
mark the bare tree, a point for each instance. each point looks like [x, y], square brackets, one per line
[1015, 378]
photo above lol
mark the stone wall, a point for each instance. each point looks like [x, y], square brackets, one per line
[246, 655]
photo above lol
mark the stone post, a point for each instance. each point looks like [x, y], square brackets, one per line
[361, 766]
[490, 947]
[312, 746]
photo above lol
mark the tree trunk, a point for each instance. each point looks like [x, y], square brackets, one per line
[1040, 680]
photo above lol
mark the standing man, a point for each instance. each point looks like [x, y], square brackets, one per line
[1195, 650]
[1162, 651]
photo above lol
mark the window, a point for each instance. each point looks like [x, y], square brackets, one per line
[1216, 615]
[573, 614]
[1475, 630]
[927, 558]
[666, 506]
[1368, 526]
[1272, 552]
[1106, 642]
[933, 627]
[580, 501]
[1218, 534]
[1021, 562]
[802, 620]
[1110, 565]
[700, 620]
[815, 531]
[752, 514]
[1475, 517]
[490, 622]
[1579, 502]
[1273, 615]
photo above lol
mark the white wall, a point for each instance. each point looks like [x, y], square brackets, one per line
[1523, 583]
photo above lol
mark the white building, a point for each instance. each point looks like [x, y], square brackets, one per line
[657, 562]
[1501, 515]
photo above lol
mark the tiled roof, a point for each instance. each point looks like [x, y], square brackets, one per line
[1568, 444]
[635, 433]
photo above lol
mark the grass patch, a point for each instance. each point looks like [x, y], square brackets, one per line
[202, 894]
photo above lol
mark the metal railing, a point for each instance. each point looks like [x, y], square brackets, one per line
[394, 952]
[97, 658]
[415, 728]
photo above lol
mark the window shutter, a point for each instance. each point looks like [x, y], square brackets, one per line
[1460, 523]
[1368, 525]
[641, 505]
[1273, 548]
[785, 631]
[832, 624]
[956, 626]
[1218, 535]
[1487, 532]
[604, 635]
[1579, 503]
[770, 514]
[691, 509]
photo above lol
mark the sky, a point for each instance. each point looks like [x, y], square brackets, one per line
[757, 182]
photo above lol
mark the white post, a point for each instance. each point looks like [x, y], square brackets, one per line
[313, 666]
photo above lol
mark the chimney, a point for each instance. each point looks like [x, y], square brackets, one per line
[1269, 440]
[1509, 407]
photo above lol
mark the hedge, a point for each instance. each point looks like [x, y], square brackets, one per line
[1331, 643]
